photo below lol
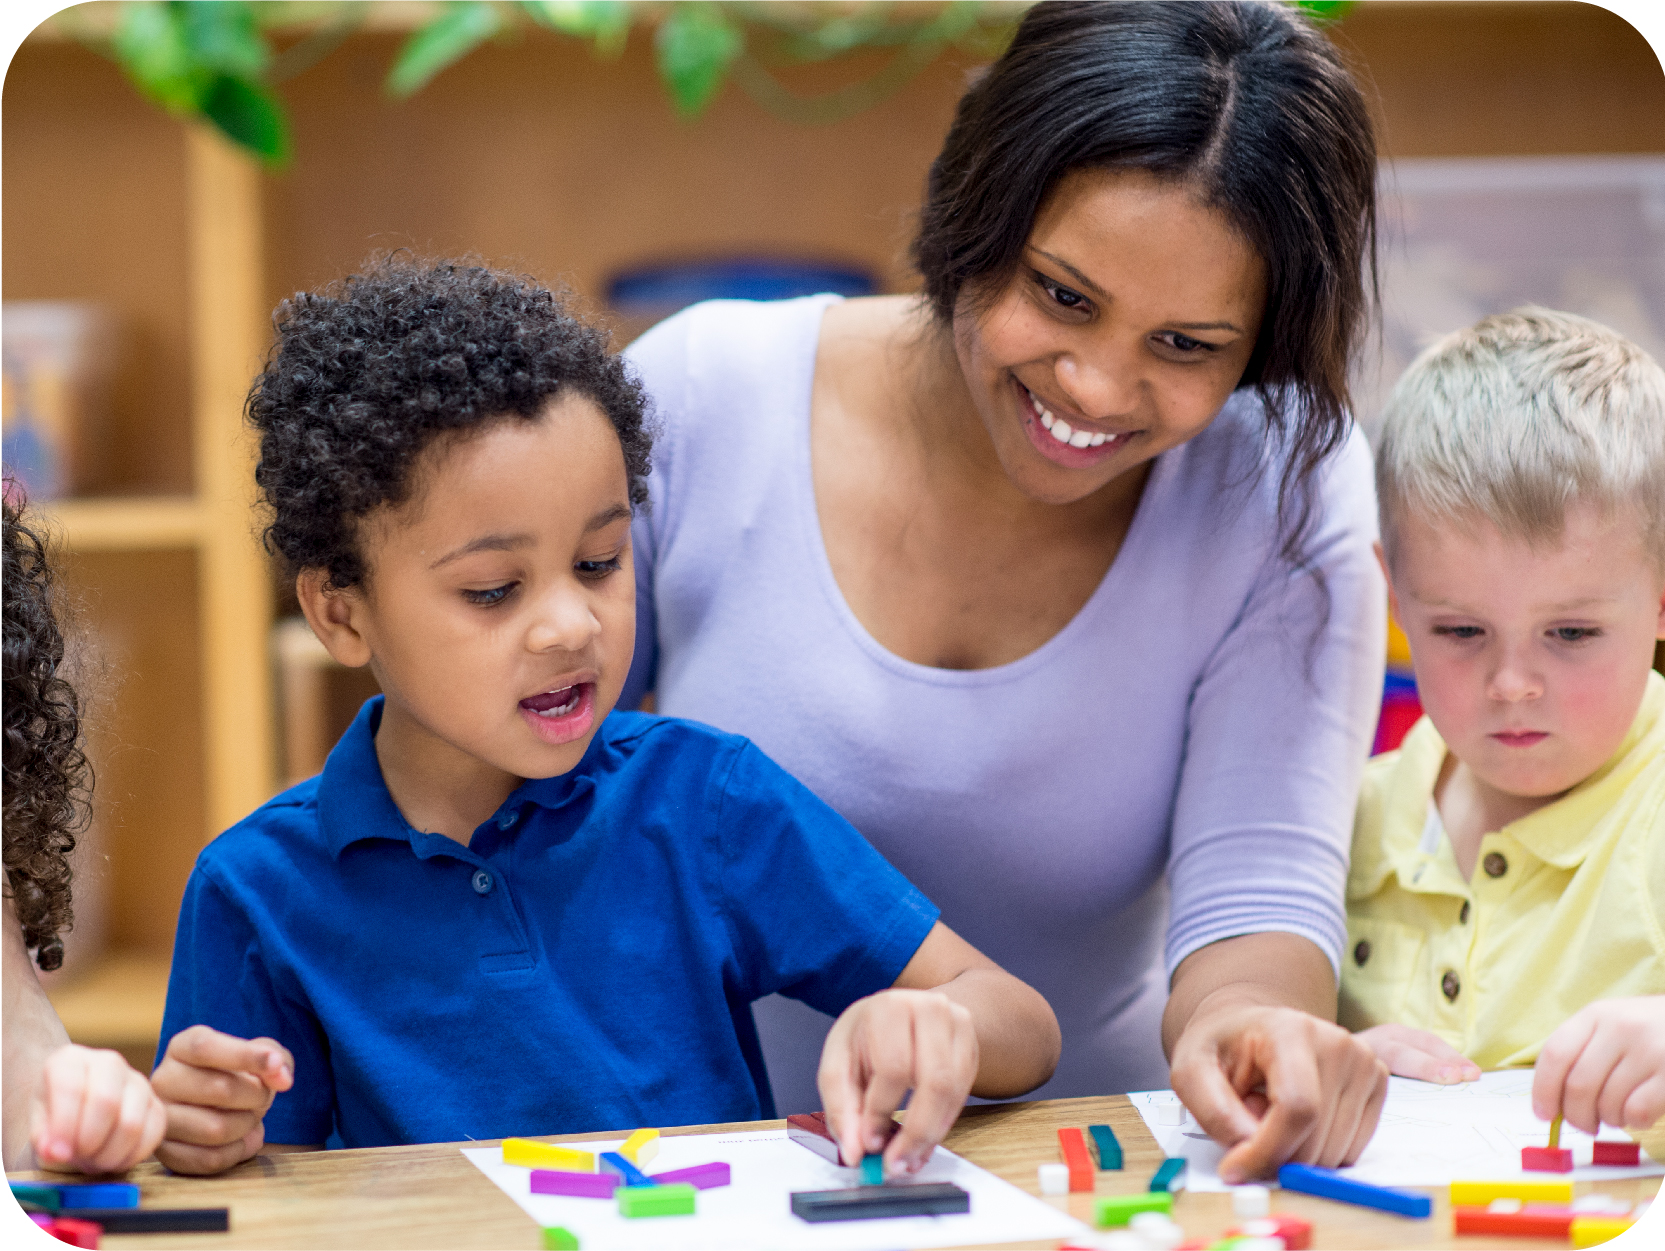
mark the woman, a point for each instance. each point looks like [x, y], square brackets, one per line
[1057, 580]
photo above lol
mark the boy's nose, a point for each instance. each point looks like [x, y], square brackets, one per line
[563, 622]
[1512, 682]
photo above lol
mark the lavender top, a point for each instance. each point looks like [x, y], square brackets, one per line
[1177, 765]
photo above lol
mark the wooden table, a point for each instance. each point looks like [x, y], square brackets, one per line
[431, 1196]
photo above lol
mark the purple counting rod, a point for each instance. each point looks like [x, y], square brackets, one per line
[700, 1176]
[548, 1181]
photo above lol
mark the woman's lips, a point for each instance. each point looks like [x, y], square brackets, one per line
[561, 715]
[1520, 738]
[1055, 439]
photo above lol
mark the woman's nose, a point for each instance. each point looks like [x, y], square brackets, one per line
[1101, 386]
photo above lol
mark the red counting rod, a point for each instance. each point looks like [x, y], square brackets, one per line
[1617, 1153]
[1528, 1223]
[1074, 1147]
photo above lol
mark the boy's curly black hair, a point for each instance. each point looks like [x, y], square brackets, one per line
[48, 779]
[367, 373]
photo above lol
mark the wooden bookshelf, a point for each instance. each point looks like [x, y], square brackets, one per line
[126, 523]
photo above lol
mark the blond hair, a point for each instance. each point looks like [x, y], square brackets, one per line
[1520, 415]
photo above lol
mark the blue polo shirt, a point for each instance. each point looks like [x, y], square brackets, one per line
[587, 962]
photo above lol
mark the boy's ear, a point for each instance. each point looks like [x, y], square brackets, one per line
[1387, 575]
[336, 617]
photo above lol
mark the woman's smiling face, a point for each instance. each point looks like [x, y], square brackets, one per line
[1127, 325]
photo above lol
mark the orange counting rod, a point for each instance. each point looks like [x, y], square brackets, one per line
[1074, 1147]
[1528, 1223]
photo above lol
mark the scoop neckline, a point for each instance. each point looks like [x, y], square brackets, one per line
[810, 518]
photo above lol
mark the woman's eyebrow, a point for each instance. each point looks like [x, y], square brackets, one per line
[1105, 297]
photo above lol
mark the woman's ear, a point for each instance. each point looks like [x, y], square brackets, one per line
[336, 615]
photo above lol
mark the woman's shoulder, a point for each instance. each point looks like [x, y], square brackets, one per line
[725, 349]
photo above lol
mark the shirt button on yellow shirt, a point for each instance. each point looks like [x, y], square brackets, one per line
[1566, 906]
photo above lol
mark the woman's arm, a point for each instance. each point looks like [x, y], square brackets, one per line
[954, 1023]
[32, 1032]
[1257, 1059]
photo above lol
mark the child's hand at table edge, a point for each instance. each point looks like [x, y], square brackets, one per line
[93, 1113]
[954, 1023]
[1606, 1063]
[217, 1089]
[1416, 1053]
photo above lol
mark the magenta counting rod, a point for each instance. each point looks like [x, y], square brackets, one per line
[699, 1176]
[549, 1181]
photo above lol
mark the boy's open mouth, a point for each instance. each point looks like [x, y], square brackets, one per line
[561, 715]
[554, 703]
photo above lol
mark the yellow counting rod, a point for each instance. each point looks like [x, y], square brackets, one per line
[529, 1154]
[1477, 1194]
[641, 1147]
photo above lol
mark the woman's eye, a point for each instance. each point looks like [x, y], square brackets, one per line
[491, 595]
[598, 569]
[1184, 343]
[1061, 295]
[1459, 632]
[1574, 634]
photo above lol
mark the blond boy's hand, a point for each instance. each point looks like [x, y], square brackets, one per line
[1605, 1064]
[217, 1089]
[1416, 1053]
[881, 1048]
[93, 1113]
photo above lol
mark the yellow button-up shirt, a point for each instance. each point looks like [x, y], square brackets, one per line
[1565, 905]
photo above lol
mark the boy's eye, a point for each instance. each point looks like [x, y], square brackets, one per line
[598, 569]
[491, 595]
[1574, 634]
[1459, 632]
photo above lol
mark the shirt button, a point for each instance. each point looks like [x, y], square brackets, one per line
[1494, 864]
[1451, 985]
[1462, 917]
[1361, 953]
[482, 882]
[507, 819]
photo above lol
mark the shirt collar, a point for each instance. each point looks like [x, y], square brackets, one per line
[1559, 833]
[354, 802]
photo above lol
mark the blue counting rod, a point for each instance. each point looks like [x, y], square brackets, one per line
[1327, 1184]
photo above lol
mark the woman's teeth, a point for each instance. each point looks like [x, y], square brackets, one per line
[1060, 429]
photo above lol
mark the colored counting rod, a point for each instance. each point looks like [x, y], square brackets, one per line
[641, 1147]
[1109, 1151]
[1111, 1210]
[579, 1185]
[637, 1201]
[1616, 1153]
[1171, 1176]
[699, 1176]
[99, 1195]
[613, 1162]
[559, 1238]
[1074, 1149]
[810, 1129]
[1327, 1184]
[1477, 1194]
[865, 1203]
[158, 1220]
[529, 1154]
[1592, 1231]
[1551, 1159]
[1537, 1223]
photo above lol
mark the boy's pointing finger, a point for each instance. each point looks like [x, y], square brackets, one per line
[203, 1047]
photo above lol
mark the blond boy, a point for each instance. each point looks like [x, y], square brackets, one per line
[1506, 900]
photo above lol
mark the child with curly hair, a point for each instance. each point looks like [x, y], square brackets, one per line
[66, 1106]
[504, 908]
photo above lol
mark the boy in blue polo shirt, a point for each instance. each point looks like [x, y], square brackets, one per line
[501, 910]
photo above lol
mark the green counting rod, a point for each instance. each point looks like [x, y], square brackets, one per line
[1120, 1209]
[656, 1200]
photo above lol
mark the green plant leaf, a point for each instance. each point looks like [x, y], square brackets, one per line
[455, 33]
[152, 49]
[223, 35]
[1324, 10]
[606, 23]
[696, 44]
[250, 115]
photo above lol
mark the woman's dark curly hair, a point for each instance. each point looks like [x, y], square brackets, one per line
[48, 779]
[1246, 105]
[369, 372]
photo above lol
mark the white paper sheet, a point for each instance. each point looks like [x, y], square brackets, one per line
[1428, 1136]
[755, 1212]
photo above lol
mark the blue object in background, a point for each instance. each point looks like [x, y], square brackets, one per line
[1328, 1184]
[657, 291]
[99, 1195]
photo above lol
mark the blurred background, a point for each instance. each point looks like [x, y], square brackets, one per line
[172, 171]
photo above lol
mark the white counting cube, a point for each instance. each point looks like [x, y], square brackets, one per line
[1054, 1178]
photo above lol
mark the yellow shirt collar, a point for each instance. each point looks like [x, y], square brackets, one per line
[1559, 833]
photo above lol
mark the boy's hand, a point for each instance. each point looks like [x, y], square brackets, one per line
[1416, 1053]
[217, 1089]
[1605, 1063]
[879, 1049]
[1277, 1084]
[93, 1113]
